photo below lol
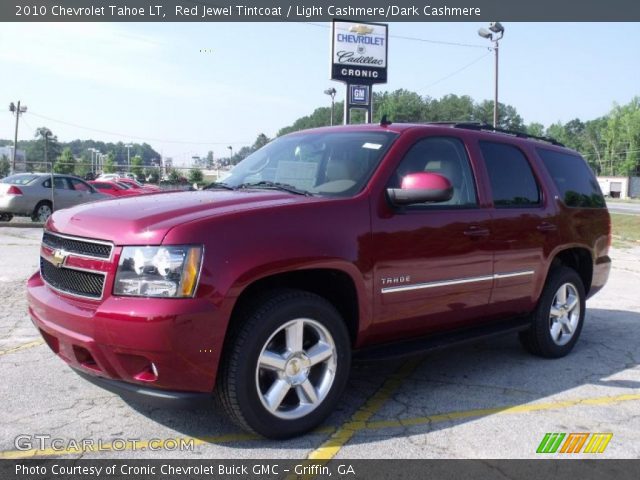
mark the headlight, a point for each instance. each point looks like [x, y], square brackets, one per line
[170, 271]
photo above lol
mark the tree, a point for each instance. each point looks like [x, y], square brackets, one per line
[153, 174]
[65, 163]
[195, 175]
[260, 142]
[5, 166]
[174, 176]
[136, 165]
[35, 151]
[109, 165]
[536, 129]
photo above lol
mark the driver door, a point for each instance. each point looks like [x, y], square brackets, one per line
[433, 261]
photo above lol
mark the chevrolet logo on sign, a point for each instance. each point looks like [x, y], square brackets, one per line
[58, 258]
[361, 29]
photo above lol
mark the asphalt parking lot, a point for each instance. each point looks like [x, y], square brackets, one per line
[483, 400]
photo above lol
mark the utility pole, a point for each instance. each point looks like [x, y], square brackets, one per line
[17, 111]
[230, 153]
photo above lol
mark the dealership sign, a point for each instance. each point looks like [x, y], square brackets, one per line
[359, 52]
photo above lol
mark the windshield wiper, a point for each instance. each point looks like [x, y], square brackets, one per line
[285, 187]
[213, 185]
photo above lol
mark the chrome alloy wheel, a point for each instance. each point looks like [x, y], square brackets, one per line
[564, 314]
[296, 368]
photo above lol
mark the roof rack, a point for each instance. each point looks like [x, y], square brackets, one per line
[485, 127]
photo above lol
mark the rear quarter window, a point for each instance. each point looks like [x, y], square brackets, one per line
[574, 179]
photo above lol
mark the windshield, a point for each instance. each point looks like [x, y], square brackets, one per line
[336, 163]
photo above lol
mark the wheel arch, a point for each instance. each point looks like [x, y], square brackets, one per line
[578, 258]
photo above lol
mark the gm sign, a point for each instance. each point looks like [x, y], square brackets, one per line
[359, 94]
[359, 52]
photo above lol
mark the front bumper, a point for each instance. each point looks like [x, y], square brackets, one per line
[167, 344]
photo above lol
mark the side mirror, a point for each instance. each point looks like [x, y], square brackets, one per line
[420, 188]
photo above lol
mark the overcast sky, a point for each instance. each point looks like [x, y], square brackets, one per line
[189, 88]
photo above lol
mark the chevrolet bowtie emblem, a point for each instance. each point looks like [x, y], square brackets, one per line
[58, 258]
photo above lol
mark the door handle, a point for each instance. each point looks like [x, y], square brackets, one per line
[547, 227]
[475, 231]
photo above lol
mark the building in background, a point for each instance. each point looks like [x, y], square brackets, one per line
[21, 157]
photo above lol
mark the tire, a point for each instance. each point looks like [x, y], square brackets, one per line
[6, 217]
[559, 317]
[42, 211]
[305, 353]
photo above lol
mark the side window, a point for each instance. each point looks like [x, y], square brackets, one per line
[512, 182]
[79, 185]
[445, 156]
[58, 183]
[574, 179]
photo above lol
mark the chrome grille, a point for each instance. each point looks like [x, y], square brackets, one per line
[75, 282]
[87, 248]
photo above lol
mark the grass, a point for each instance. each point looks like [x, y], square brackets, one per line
[626, 228]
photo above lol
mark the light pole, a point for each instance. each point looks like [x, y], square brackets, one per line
[92, 152]
[494, 34]
[332, 93]
[230, 153]
[128, 145]
[17, 110]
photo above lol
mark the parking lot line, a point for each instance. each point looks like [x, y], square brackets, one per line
[355, 425]
[359, 419]
[19, 348]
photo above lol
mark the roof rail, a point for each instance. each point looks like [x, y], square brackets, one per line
[485, 127]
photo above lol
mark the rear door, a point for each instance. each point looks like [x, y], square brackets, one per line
[433, 262]
[524, 226]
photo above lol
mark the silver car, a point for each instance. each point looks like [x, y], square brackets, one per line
[30, 194]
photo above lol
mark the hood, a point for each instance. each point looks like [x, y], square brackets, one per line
[146, 219]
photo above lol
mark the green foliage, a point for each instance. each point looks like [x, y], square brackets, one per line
[152, 174]
[137, 165]
[109, 165]
[174, 176]
[5, 166]
[35, 150]
[65, 163]
[195, 175]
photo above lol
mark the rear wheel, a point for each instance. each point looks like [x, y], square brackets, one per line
[559, 316]
[286, 365]
[42, 212]
[6, 217]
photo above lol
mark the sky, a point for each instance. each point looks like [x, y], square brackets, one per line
[187, 88]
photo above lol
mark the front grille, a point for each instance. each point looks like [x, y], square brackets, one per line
[75, 282]
[88, 248]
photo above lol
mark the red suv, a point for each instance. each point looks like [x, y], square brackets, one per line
[325, 244]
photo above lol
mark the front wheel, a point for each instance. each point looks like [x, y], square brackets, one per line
[286, 365]
[6, 217]
[559, 316]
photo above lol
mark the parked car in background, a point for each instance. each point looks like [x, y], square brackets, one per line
[114, 189]
[30, 194]
[135, 184]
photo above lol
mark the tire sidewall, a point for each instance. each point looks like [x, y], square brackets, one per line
[253, 411]
[559, 277]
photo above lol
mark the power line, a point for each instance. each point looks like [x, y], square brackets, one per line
[457, 71]
[414, 39]
[125, 135]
